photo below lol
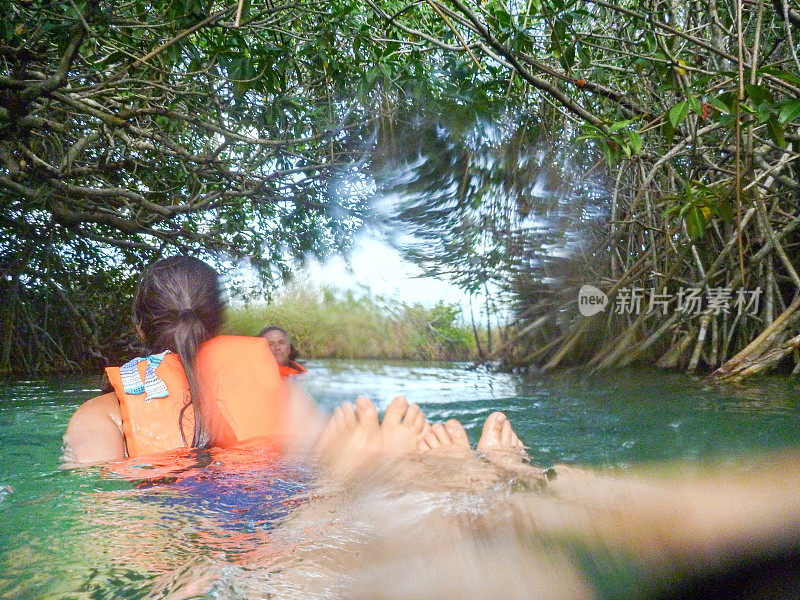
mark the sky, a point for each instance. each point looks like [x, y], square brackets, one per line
[375, 265]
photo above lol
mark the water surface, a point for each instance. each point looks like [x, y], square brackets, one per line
[88, 533]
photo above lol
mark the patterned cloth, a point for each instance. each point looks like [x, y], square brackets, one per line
[152, 385]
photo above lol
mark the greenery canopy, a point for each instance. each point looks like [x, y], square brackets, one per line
[687, 114]
[133, 129]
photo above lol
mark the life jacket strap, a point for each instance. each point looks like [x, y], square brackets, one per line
[152, 386]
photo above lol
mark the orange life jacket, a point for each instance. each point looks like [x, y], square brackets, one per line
[293, 368]
[238, 373]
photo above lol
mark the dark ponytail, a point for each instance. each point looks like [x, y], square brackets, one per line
[178, 307]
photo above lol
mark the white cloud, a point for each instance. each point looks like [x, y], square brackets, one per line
[380, 268]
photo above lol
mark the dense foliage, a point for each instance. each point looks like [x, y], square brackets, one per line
[535, 146]
[688, 114]
[133, 129]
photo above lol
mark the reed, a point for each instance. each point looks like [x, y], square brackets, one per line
[330, 323]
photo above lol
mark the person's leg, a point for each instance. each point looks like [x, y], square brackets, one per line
[415, 500]
[687, 524]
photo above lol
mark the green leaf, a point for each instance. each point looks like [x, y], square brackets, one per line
[789, 111]
[620, 125]
[758, 94]
[763, 113]
[591, 130]
[694, 104]
[724, 102]
[704, 189]
[678, 113]
[668, 130]
[583, 55]
[781, 74]
[635, 141]
[776, 132]
[723, 209]
[695, 222]
[609, 154]
[568, 58]
[745, 108]
[558, 37]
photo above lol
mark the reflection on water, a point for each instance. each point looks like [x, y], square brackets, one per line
[241, 525]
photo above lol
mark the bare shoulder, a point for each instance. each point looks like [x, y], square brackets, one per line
[97, 412]
[106, 404]
[94, 432]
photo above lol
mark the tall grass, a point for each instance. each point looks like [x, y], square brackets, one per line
[329, 323]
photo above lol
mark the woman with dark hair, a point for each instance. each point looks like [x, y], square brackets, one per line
[197, 389]
[177, 307]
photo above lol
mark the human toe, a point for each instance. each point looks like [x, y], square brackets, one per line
[420, 423]
[366, 413]
[507, 435]
[432, 440]
[457, 433]
[492, 431]
[441, 434]
[410, 417]
[395, 412]
[349, 414]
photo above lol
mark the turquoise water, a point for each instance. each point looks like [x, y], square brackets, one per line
[89, 534]
[608, 419]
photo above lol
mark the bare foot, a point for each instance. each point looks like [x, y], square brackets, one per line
[403, 428]
[367, 417]
[351, 436]
[499, 441]
[336, 429]
[450, 438]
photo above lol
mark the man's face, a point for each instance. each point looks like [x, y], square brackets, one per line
[279, 346]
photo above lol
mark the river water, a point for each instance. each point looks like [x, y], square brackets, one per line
[90, 533]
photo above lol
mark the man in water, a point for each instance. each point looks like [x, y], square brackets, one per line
[282, 348]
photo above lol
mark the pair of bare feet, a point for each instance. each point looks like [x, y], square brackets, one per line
[354, 435]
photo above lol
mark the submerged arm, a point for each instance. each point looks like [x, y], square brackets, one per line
[306, 419]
